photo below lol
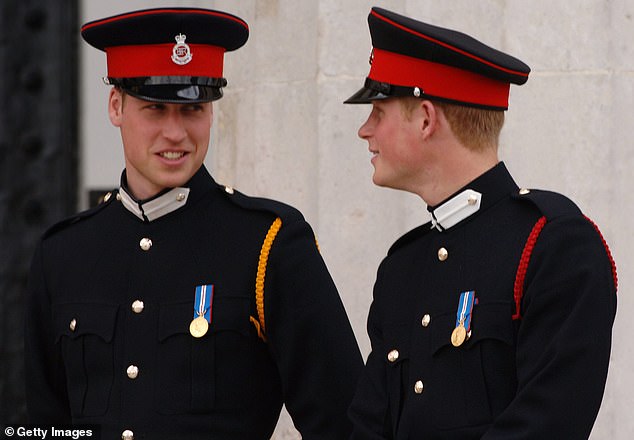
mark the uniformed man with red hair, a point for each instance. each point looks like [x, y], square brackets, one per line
[493, 320]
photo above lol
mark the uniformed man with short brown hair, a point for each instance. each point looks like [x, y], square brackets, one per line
[180, 308]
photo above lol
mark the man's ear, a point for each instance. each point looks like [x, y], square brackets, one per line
[428, 114]
[115, 106]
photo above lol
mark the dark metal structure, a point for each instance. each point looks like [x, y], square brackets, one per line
[38, 159]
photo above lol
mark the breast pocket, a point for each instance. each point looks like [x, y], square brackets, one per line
[85, 333]
[465, 376]
[196, 375]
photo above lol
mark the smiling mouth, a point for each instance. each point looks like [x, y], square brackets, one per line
[172, 155]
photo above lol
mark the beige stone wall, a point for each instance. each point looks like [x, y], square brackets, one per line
[282, 131]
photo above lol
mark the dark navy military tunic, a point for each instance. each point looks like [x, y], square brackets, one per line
[539, 376]
[111, 299]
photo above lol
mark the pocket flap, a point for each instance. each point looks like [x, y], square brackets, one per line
[489, 321]
[397, 344]
[227, 313]
[79, 319]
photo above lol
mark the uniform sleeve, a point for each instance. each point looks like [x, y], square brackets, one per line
[564, 336]
[310, 336]
[46, 398]
[369, 410]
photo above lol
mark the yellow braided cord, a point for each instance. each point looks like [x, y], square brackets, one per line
[256, 324]
[259, 278]
[317, 243]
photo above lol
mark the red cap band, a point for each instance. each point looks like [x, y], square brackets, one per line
[438, 80]
[156, 60]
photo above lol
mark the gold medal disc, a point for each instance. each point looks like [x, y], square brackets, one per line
[458, 336]
[198, 327]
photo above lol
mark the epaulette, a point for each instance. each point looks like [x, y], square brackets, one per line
[63, 224]
[286, 212]
[550, 204]
[410, 236]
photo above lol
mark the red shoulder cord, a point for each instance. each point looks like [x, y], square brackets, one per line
[518, 288]
[520, 276]
[607, 250]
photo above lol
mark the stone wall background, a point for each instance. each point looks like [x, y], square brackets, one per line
[282, 131]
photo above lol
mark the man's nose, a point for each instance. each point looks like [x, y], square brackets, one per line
[173, 127]
[365, 130]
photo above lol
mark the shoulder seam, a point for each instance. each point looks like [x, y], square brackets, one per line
[62, 224]
[280, 209]
[408, 237]
[550, 204]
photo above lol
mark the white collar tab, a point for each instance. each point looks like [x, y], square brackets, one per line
[155, 208]
[456, 209]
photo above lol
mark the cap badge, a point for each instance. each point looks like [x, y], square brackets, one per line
[181, 54]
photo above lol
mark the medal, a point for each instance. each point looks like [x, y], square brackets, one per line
[203, 302]
[458, 335]
[198, 327]
[462, 332]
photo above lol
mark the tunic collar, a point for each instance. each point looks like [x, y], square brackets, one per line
[167, 201]
[456, 209]
[484, 191]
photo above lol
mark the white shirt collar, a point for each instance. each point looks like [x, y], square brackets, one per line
[456, 209]
[155, 208]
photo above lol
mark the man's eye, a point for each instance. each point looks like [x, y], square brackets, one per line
[193, 108]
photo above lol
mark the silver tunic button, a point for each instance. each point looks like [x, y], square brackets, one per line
[426, 320]
[118, 197]
[442, 254]
[524, 191]
[107, 196]
[132, 371]
[418, 387]
[392, 356]
[137, 306]
[127, 435]
[229, 190]
[72, 325]
[180, 197]
[145, 244]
